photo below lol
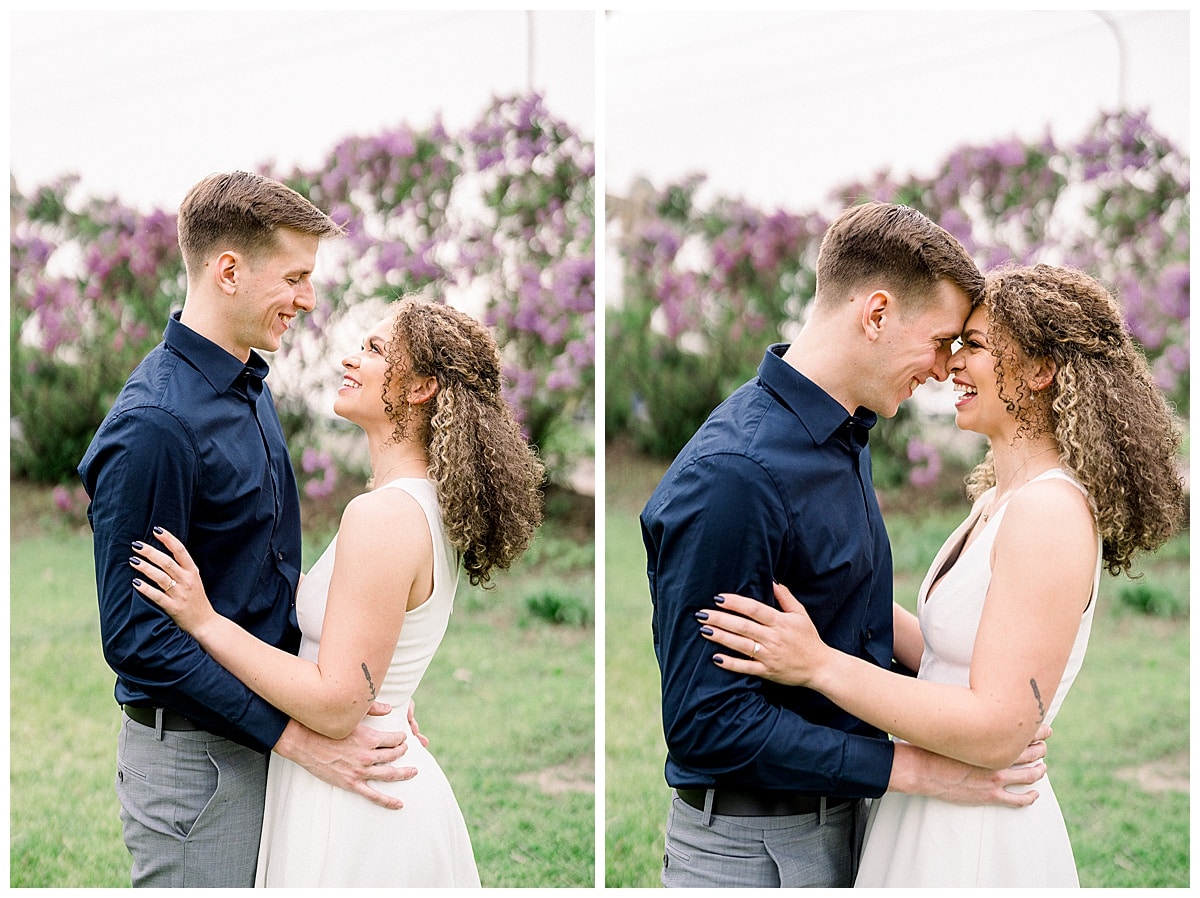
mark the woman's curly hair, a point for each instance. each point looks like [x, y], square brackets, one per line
[488, 477]
[1113, 427]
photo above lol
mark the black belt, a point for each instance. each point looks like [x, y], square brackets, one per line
[171, 720]
[758, 802]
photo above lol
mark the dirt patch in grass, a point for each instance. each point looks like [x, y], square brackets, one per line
[576, 775]
[1169, 774]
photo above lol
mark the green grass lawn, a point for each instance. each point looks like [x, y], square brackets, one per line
[508, 704]
[1118, 757]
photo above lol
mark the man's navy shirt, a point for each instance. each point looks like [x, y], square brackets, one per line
[776, 485]
[193, 444]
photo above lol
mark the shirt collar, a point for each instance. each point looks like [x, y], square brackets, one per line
[215, 364]
[822, 416]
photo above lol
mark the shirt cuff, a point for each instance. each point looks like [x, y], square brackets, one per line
[868, 767]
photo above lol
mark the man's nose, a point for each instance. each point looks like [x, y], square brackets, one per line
[306, 296]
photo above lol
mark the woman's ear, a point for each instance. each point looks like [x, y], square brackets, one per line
[422, 389]
[1042, 374]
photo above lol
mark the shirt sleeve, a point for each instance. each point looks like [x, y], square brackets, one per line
[719, 527]
[145, 475]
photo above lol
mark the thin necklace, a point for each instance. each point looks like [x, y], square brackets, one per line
[1024, 464]
[378, 481]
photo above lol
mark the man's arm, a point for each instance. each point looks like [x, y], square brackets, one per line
[920, 772]
[723, 521]
[351, 763]
[145, 475]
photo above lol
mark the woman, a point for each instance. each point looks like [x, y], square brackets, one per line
[1080, 476]
[453, 483]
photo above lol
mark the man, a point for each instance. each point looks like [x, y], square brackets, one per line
[193, 444]
[776, 486]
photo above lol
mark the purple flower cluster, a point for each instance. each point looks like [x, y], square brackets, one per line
[113, 267]
[319, 473]
[502, 209]
[71, 502]
[926, 461]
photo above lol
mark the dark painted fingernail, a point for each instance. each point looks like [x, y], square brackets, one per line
[137, 582]
[720, 600]
[135, 560]
[158, 530]
[718, 659]
[701, 615]
[137, 544]
[707, 631]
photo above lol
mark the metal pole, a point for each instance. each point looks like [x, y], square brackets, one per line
[1112, 25]
[529, 48]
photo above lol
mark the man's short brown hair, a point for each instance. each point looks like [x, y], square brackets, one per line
[244, 211]
[896, 247]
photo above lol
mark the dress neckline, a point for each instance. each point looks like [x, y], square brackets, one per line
[969, 526]
[400, 480]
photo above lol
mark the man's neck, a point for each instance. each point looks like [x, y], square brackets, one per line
[819, 356]
[201, 317]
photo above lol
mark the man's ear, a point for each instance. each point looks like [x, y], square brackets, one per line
[227, 270]
[877, 309]
[422, 390]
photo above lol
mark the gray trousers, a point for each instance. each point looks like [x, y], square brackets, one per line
[806, 850]
[191, 807]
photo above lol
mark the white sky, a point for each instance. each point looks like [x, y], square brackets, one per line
[143, 104]
[777, 107]
[781, 107]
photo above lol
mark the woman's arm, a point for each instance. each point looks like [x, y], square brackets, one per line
[382, 566]
[1043, 562]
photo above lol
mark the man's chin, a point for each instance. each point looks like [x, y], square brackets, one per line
[888, 412]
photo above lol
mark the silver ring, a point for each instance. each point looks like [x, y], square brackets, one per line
[755, 652]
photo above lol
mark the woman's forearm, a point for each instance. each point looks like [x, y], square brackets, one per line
[293, 685]
[955, 721]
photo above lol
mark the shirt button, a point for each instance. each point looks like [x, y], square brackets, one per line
[870, 635]
[279, 556]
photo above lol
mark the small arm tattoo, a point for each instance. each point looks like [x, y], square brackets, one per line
[1032, 682]
[367, 674]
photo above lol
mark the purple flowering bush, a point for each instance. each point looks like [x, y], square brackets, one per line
[706, 286]
[90, 284]
[705, 290]
[497, 218]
